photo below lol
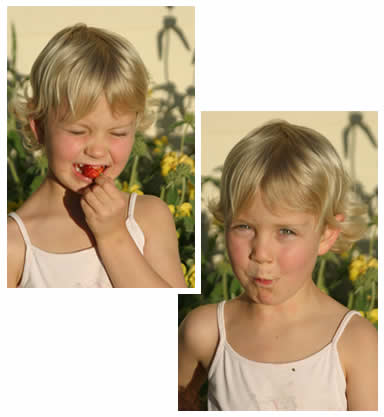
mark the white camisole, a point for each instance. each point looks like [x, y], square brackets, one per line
[81, 269]
[314, 383]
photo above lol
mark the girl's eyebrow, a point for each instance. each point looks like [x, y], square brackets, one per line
[86, 125]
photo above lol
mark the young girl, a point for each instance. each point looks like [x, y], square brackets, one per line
[283, 344]
[89, 91]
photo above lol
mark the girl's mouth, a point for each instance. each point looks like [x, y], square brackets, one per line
[90, 171]
[264, 282]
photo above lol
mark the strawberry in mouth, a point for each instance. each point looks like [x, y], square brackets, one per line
[90, 171]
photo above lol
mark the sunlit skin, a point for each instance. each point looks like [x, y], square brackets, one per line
[280, 248]
[99, 138]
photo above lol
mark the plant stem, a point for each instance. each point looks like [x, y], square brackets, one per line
[162, 192]
[132, 179]
[166, 56]
[371, 241]
[183, 187]
[373, 296]
[350, 300]
[320, 277]
[13, 171]
[225, 286]
[183, 138]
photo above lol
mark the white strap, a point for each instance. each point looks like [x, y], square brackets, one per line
[22, 228]
[220, 320]
[131, 207]
[343, 324]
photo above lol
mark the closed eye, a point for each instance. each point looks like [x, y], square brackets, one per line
[119, 134]
[76, 132]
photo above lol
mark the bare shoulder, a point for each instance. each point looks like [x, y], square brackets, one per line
[150, 205]
[358, 349]
[15, 253]
[199, 333]
[358, 336]
[358, 328]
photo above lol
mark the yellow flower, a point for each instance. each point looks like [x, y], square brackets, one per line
[184, 268]
[168, 163]
[372, 263]
[135, 188]
[191, 189]
[190, 277]
[373, 315]
[184, 210]
[357, 267]
[171, 160]
[171, 208]
[185, 159]
[360, 265]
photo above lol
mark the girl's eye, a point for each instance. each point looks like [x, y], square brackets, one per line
[76, 132]
[242, 227]
[119, 135]
[286, 232]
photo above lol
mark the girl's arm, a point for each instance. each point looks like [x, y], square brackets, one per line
[105, 209]
[198, 338]
[359, 349]
[15, 254]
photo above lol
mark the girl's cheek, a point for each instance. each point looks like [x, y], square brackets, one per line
[297, 259]
[238, 249]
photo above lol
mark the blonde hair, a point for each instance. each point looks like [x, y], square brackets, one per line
[75, 68]
[295, 168]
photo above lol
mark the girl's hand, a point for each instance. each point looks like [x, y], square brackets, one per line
[105, 208]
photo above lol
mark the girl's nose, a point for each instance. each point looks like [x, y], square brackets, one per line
[261, 250]
[97, 146]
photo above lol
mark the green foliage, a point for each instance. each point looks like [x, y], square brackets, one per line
[174, 135]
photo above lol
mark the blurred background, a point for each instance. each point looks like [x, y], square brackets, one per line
[162, 162]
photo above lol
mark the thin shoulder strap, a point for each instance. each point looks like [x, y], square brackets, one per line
[131, 207]
[343, 325]
[22, 228]
[220, 320]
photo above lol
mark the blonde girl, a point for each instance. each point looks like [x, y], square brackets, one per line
[283, 344]
[88, 96]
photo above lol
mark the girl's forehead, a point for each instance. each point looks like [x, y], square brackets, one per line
[256, 209]
[100, 114]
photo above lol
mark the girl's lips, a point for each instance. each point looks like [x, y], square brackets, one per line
[264, 281]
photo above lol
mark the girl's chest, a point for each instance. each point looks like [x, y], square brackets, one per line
[278, 344]
[60, 236]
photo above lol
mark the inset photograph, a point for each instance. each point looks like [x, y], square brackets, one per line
[101, 147]
[287, 318]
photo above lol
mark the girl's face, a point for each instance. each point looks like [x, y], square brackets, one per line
[99, 140]
[273, 254]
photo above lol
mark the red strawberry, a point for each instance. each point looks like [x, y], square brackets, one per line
[92, 171]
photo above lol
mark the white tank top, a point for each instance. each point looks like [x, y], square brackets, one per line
[314, 383]
[81, 269]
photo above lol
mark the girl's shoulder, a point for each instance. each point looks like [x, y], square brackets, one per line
[358, 329]
[153, 214]
[16, 253]
[199, 332]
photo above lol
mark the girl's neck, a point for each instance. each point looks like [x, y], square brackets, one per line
[60, 201]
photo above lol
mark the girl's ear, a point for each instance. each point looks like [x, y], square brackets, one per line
[329, 236]
[36, 130]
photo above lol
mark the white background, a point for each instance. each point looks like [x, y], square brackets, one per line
[113, 353]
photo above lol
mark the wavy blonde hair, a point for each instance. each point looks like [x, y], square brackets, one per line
[76, 67]
[295, 168]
